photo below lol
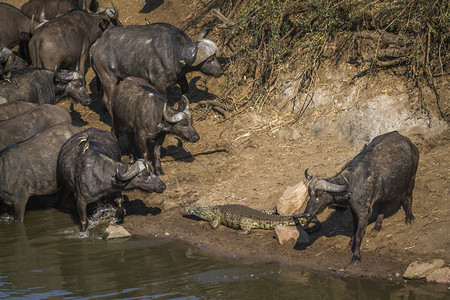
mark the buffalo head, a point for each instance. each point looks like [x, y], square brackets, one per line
[109, 17]
[320, 196]
[205, 59]
[181, 122]
[74, 86]
[139, 175]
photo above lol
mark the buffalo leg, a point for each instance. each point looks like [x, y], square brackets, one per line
[380, 217]
[120, 213]
[19, 204]
[407, 203]
[184, 85]
[363, 220]
[81, 206]
[157, 154]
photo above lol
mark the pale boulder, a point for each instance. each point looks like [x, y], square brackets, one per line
[441, 275]
[419, 270]
[116, 231]
[292, 199]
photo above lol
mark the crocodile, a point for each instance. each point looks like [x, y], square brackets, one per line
[243, 217]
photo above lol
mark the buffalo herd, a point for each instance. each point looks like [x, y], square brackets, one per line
[42, 153]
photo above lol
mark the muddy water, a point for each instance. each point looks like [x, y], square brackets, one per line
[47, 258]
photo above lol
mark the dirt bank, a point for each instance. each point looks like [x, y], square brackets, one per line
[261, 162]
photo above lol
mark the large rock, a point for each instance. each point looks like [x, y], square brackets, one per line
[419, 270]
[441, 275]
[286, 233]
[116, 231]
[292, 199]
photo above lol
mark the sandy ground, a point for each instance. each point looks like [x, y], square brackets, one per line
[258, 166]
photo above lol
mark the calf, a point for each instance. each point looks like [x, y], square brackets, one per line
[381, 172]
[29, 168]
[141, 110]
[13, 109]
[43, 86]
[89, 166]
[30, 123]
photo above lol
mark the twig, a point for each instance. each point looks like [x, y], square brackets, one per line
[184, 155]
[325, 251]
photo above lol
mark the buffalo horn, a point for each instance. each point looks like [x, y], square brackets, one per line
[116, 12]
[205, 49]
[329, 187]
[32, 25]
[64, 75]
[307, 176]
[186, 103]
[171, 117]
[134, 169]
[204, 33]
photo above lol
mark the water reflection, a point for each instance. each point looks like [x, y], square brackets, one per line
[46, 257]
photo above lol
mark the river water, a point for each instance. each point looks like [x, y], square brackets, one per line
[48, 258]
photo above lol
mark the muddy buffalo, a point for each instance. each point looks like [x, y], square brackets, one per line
[159, 52]
[143, 112]
[381, 172]
[89, 166]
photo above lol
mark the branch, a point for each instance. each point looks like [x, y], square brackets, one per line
[184, 155]
[226, 23]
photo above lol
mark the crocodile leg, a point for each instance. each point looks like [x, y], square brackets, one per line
[215, 223]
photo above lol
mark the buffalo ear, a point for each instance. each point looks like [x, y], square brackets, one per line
[103, 24]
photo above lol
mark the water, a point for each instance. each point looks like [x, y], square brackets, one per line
[47, 258]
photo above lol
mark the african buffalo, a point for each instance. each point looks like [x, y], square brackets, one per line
[15, 25]
[64, 42]
[29, 168]
[30, 123]
[381, 172]
[9, 61]
[54, 8]
[159, 52]
[89, 166]
[140, 109]
[12, 109]
[43, 86]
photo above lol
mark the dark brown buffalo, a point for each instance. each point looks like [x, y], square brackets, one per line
[159, 52]
[89, 166]
[29, 168]
[30, 123]
[143, 112]
[381, 172]
[10, 62]
[43, 86]
[64, 42]
[15, 28]
[12, 109]
[54, 8]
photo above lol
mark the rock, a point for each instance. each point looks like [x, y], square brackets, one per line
[116, 231]
[292, 199]
[286, 233]
[418, 270]
[441, 275]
